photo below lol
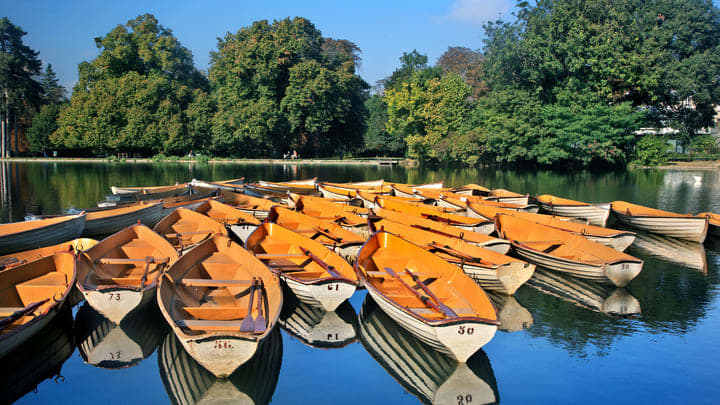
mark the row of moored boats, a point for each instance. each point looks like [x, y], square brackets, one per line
[214, 256]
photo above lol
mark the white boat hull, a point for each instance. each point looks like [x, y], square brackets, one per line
[596, 214]
[326, 294]
[458, 339]
[689, 228]
[148, 216]
[618, 274]
[116, 303]
[41, 237]
[504, 279]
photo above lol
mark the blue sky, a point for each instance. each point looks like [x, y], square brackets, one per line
[63, 31]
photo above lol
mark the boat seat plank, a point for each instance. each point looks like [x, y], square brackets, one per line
[122, 280]
[426, 310]
[219, 258]
[210, 325]
[216, 313]
[54, 278]
[201, 282]
[270, 256]
[137, 243]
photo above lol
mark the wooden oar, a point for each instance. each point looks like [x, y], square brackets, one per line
[19, 314]
[260, 324]
[425, 300]
[248, 324]
[330, 269]
[416, 279]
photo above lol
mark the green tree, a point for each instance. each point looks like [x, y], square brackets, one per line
[53, 92]
[413, 66]
[283, 85]
[44, 123]
[19, 91]
[136, 95]
[425, 112]
[617, 51]
[377, 139]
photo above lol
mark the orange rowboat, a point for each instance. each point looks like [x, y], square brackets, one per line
[221, 302]
[340, 214]
[713, 222]
[562, 251]
[235, 185]
[492, 270]
[156, 190]
[72, 246]
[347, 192]
[427, 296]
[315, 274]
[597, 214]
[472, 189]
[184, 228]
[257, 207]
[507, 196]
[407, 190]
[327, 209]
[458, 202]
[120, 273]
[305, 187]
[26, 235]
[32, 294]
[479, 239]
[661, 222]
[436, 214]
[333, 236]
[236, 221]
[618, 240]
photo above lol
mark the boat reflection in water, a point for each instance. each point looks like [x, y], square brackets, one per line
[433, 377]
[105, 344]
[511, 314]
[682, 252]
[37, 359]
[595, 297]
[187, 382]
[317, 327]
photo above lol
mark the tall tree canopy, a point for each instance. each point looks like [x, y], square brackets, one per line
[19, 91]
[139, 94]
[466, 63]
[281, 85]
[53, 92]
[663, 55]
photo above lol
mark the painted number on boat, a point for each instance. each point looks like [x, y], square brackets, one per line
[115, 355]
[114, 297]
[333, 287]
[332, 336]
[462, 330]
[222, 344]
[464, 399]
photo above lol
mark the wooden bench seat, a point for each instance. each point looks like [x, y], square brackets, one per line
[210, 325]
[216, 312]
[202, 282]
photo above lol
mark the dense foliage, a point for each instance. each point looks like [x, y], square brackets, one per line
[142, 93]
[568, 82]
[281, 86]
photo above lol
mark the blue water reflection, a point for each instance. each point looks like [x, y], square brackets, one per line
[554, 348]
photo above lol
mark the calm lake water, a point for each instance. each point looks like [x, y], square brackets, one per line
[557, 345]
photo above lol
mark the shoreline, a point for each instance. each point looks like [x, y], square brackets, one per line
[675, 165]
[375, 162]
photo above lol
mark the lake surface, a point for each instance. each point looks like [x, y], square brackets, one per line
[558, 344]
